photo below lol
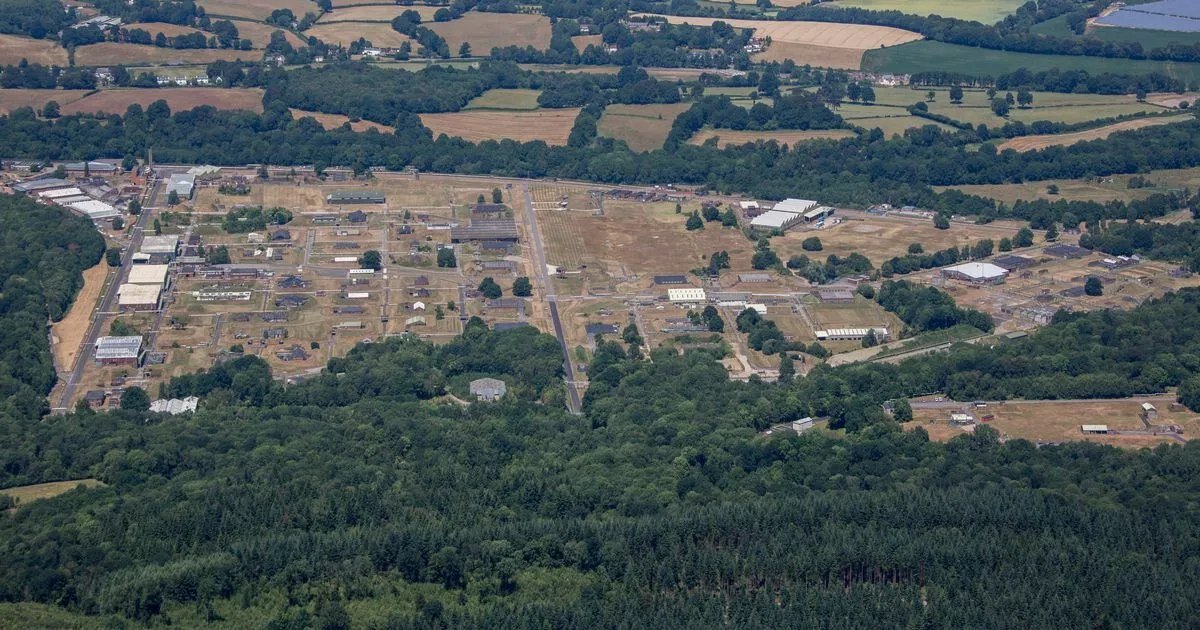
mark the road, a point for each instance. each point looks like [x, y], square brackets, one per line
[538, 260]
[953, 404]
[109, 299]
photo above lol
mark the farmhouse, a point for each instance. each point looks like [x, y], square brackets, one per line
[120, 350]
[181, 184]
[686, 296]
[851, 334]
[488, 389]
[976, 272]
[487, 230]
[356, 196]
[138, 297]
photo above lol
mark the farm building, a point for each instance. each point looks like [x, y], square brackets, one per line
[293, 282]
[488, 389]
[686, 296]
[295, 353]
[357, 276]
[977, 272]
[120, 350]
[148, 274]
[1148, 412]
[515, 304]
[754, 278]
[356, 196]
[670, 279]
[349, 325]
[835, 296]
[166, 245]
[851, 334]
[95, 398]
[1063, 250]
[488, 230]
[290, 300]
[962, 419]
[138, 297]
[794, 206]
[357, 295]
[504, 326]
[818, 213]
[324, 219]
[498, 265]
[488, 211]
[89, 167]
[279, 236]
[774, 220]
[174, 406]
[498, 247]
[221, 295]
[60, 193]
[181, 184]
[1094, 429]
[416, 320]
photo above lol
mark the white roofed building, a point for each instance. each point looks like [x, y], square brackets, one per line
[774, 220]
[138, 297]
[977, 272]
[795, 206]
[148, 274]
[95, 210]
[688, 295]
[119, 350]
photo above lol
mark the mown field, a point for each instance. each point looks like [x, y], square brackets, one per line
[642, 127]
[260, 34]
[342, 33]
[485, 31]
[1114, 188]
[111, 53]
[375, 13]
[986, 11]
[552, 126]
[506, 99]
[931, 56]
[11, 99]
[178, 99]
[975, 107]
[1033, 143]
[14, 48]
[256, 9]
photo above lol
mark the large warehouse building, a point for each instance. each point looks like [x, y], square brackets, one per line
[138, 297]
[119, 350]
[977, 272]
[787, 213]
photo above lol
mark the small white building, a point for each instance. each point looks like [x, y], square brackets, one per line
[851, 334]
[174, 406]
[689, 295]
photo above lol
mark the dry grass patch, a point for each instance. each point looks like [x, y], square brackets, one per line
[552, 126]
[342, 33]
[17, 98]
[68, 332]
[170, 30]
[502, 98]
[110, 53]
[730, 137]
[642, 127]
[880, 238]
[1033, 143]
[583, 41]
[375, 13]
[1112, 188]
[485, 31]
[334, 121]
[23, 495]
[259, 34]
[256, 9]
[14, 48]
[178, 99]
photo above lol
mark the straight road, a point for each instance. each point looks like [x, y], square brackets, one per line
[538, 260]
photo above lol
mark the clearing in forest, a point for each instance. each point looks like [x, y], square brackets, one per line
[552, 126]
[1033, 143]
[333, 121]
[642, 127]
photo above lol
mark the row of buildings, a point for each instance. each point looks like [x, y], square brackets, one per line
[784, 214]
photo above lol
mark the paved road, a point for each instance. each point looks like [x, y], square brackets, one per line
[538, 260]
[108, 301]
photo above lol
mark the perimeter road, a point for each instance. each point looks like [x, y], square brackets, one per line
[538, 260]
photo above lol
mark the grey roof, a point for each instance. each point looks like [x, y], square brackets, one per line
[601, 329]
[128, 347]
[670, 279]
[486, 230]
[41, 184]
[181, 184]
[358, 216]
[490, 387]
[503, 326]
[356, 196]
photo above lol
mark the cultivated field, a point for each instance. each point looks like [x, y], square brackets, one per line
[68, 332]
[642, 127]
[333, 121]
[256, 9]
[552, 126]
[342, 33]
[486, 31]
[583, 41]
[730, 137]
[1114, 187]
[23, 495]
[14, 48]
[260, 34]
[1033, 143]
[986, 11]
[506, 99]
[179, 99]
[109, 53]
[375, 13]
[816, 43]
[17, 98]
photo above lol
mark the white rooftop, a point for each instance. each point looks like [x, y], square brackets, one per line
[686, 295]
[174, 406]
[773, 219]
[95, 209]
[118, 347]
[138, 294]
[60, 192]
[979, 270]
[147, 274]
[795, 206]
[165, 244]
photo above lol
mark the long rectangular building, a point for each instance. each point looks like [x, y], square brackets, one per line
[148, 274]
[355, 197]
[138, 297]
[486, 230]
[119, 350]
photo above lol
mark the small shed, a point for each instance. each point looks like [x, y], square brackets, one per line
[488, 389]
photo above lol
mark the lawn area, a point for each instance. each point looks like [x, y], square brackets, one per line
[506, 99]
[986, 11]
[642, 127]
[931, 56]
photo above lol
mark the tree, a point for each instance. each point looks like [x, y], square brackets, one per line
[941, 222]
[218, 255]
[480, 198]
[787, 368]
[1052, 189]
[1005, 244]
[1189, 393]
[522, 287]
[916, 248]
[931, 96]
[1001, 107]
[490, 289]
[464, 50]
[51, 110]
[866, 93]
[956, 94]
[902, 410]
[157, 227]
[870, 340]
[135, 398]
[1052, 233]
[113, 257]
[172, 198]
[712, 319]
[631, 336]
[118, 223]
[694, 222]
[497, 195]
[445, 257]
[371, 259]
[1008, 98]
[1024, 98]
[263, 173]
[1024, 238]
[1093, 286]
[135, 207]
[812, 244]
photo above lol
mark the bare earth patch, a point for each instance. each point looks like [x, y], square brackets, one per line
[552, 126]
[789, 137]
[1033, 143]
[178, 99]
[68, 332]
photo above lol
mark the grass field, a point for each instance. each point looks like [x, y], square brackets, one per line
[730, 137]
[109, 53]
[170, 30]
[642, 127]
[930, 56]
[583, 41]
[880, 238]
[1106, 189]
[14, 48]
[375, 13]
[256, 9]
[552, 126]
[333, 121]
[68, 332]
[485, 31]
[506, 99]
[891, 121]
[1033, 143]
[342, 33]
[260, 34]
[23, 495]
[1149, 39]
[816, 43]
[179, 99]
[862, 313]
[11, 99]
[986, 11]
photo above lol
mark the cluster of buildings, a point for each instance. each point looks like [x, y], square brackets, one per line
[91, 195]
[784, 214]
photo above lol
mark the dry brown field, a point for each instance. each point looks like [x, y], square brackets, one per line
[16, 98]
[817, 43]
[68, 332]
[880, 238]
[260, 34]
[583, 41]
[375, 13]
[14, 48]
[109, 53]
[179, 99]
[1033, 143]
[342, 33]
[730, 137]
[170, 30]
[1110, 188]
[642, 127]
[485, 31]
[1169, 99]
[333, 121]
[552, 126]
[23, 495]
[256, 9]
